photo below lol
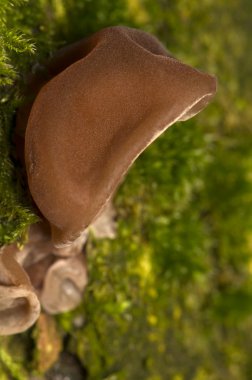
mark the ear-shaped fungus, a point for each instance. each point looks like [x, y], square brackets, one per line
[64, 284]
[100, 102]
[19, 305]
[90, 122]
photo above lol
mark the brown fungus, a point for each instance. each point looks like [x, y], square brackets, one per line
[39, 273]
[91, 121]
[19, 304]
[99, 103]
[58, 276]
[64, 284]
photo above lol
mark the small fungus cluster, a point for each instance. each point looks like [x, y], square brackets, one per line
[98, 104]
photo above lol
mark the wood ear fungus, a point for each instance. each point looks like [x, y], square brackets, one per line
[98, 104]
[90, 122]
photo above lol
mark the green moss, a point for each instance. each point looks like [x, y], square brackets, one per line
[14, 359]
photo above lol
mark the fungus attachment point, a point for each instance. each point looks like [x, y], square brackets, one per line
[19, 304]
[58, 275]
[112, 95]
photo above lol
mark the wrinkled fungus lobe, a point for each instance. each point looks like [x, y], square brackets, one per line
[117, 92]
